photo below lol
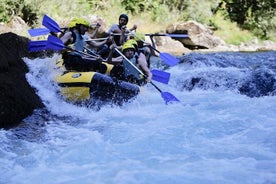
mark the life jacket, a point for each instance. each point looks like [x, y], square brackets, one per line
[73, 60]
[74, 36]
[78, 42]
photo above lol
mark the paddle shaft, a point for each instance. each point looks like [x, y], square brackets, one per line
[96, 39]
[84, 53]
[137, 69]
[130, 62]
[92, 53]
[170, 35]
[156, 87]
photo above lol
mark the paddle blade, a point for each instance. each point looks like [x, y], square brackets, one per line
[50, 24]
[160, 76]
[169, 59]
[169, 98]
[38, 31]
[37, 45]
[54, 43]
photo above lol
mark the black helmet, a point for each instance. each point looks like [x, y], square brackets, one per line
[124, 16]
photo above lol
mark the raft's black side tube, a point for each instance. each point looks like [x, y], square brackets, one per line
[104, 88]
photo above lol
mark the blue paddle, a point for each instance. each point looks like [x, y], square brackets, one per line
[55, 43]
[50, 24]
[54, 27]
[168, 97]
[160, 76]
[37, 45]
[38, 31]
[170, 35]
[166, 57]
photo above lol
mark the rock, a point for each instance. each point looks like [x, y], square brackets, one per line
[200, 37]
[94, 19]
[167, 44]
[18, 99]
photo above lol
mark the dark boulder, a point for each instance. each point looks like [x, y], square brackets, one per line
[18, 99]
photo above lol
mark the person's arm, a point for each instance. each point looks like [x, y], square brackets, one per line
[122, 36]
[111, 59]
[92, 35]
[67, 38]
[97, 44]
[134, 27]
[142, 62]
[116, 60]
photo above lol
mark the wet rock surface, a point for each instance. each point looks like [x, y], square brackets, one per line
[18, 99]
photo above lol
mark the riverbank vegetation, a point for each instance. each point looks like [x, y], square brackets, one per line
[235, 21]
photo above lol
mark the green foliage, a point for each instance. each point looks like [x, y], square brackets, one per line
[160, 14]
[176, 4]
[139, 6]
[197, 10]
[256, 16]
[225, 29]
[10, 8]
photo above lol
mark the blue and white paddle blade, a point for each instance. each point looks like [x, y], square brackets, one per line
[169, 98]
[54, 43]
[160, 76]
[50, 24]
[37, 45]
[169, 59]
[38, 31]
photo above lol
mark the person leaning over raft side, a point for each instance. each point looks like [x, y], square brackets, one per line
[130, 73]
[75, 59]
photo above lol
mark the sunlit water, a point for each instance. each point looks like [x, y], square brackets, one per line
[223, 131]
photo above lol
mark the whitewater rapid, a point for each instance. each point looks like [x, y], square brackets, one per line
[216, 134]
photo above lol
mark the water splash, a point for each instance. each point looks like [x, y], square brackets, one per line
[215, 135]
